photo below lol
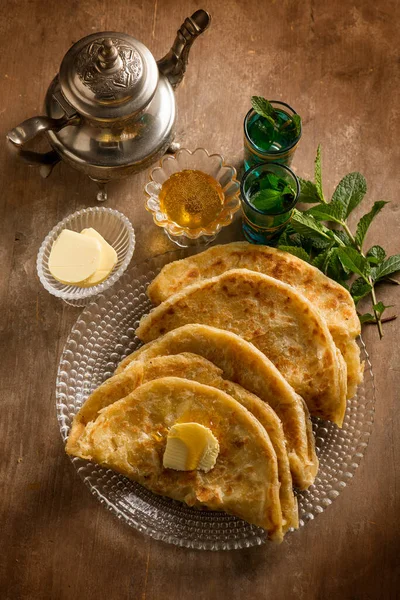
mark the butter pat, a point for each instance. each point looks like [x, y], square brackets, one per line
[74, 257]
[190, 446]
[108, 258]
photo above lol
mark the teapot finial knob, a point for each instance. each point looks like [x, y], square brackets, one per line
[108, 56]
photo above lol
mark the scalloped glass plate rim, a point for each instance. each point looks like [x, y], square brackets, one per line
[311, 502]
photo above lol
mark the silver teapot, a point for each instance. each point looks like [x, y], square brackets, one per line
[111, 110]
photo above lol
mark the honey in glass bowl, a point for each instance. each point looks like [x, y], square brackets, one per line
[191, 198]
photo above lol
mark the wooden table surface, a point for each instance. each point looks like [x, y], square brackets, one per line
[337, 64]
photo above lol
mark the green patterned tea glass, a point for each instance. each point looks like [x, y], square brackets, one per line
[264, 143]
[265, 226]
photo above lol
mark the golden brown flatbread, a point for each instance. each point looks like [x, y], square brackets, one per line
[193, 367]
[277, 319]
[242, 363]
[130, 436]
[331, 299]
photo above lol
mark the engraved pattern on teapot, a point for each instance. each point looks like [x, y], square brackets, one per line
[105, 85]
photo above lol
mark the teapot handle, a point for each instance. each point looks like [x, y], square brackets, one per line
[27, 131]
[173, 64]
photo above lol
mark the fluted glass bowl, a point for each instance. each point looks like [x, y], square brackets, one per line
[200, 160]
[116, 230]
[101, 337]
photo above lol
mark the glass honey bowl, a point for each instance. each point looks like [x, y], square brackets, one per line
[210, 198]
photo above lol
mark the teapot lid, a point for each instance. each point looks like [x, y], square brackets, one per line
[108, 76]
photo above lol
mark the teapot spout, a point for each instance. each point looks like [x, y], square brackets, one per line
[173, 64]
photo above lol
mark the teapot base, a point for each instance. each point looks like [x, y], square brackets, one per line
[173, 147]
[101, 195]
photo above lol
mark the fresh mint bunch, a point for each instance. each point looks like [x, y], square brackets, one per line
[336, 250]
[264, 108]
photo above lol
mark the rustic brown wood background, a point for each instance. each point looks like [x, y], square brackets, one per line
[337, 63]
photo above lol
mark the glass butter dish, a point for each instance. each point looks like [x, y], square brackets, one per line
[208, 180]
[115, 228]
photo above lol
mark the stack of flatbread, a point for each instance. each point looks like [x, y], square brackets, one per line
[248, 341]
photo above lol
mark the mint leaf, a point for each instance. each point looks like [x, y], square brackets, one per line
[366, 221]
[359, 289]
[319, 260]
[296, 240]
[352, 260]
[329, 263]
[308, 225]
[349, 192]
[296, 251]
[366, 318]
[271, 197]
[389, 266]
[318, 175]
[296, 119]
[273, 180]
[373, 273]
[327, 212]
[264, 108]
[284, 239]
[308, 192]
[335, 268]
[343, 237]
[265, 199]
[376, 255]
[323, 260]
[333, 234]
[319, 243]
[380, 307]
[288, 190]
[290, 240]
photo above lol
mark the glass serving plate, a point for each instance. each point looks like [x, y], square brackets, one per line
[101, 337]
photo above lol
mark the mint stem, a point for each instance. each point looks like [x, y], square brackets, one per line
[286, 124]
[387, 319]
[384, 320]
[373, 295]
[376, 314]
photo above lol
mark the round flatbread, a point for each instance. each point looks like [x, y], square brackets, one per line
[130, 437]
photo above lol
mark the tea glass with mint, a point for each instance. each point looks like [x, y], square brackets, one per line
[273, 136]
[269, 192]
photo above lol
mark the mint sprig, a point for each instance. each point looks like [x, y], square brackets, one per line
[335, 250]
[265, 109]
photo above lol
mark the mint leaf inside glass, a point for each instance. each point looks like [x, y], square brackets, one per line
[274, 193]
